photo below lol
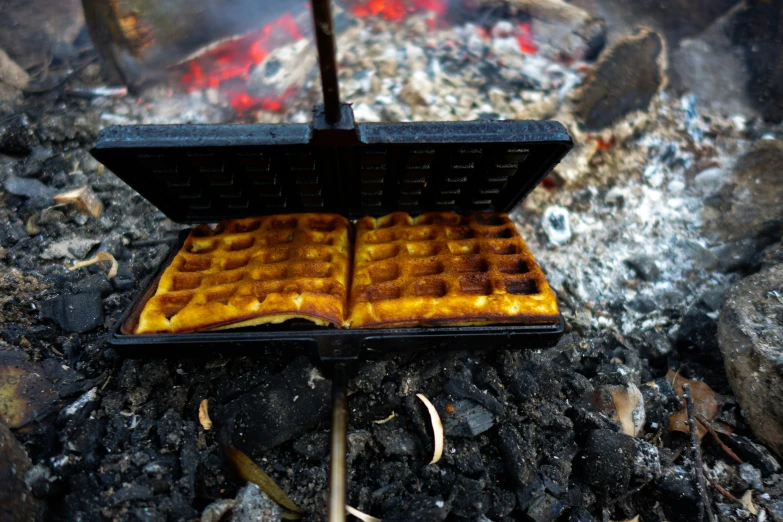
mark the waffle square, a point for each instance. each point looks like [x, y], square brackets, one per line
[253, 271]
[442, 268]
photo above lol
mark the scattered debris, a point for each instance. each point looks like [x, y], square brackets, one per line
[705, 403]
[203, 415]
[84, 199]
[387, 419]
[698, 469]
[98, 258]
[361, 516]
[437, 428]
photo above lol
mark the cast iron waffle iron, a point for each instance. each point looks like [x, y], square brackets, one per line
[207, 173]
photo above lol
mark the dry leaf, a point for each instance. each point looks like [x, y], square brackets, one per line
[249, 471]
[84, 199]
[747, 502]
[100, 256]
[437, 428]
[705, 404]
[364, 517]
[203, 415]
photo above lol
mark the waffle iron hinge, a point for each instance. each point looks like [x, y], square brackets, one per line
[334, 349]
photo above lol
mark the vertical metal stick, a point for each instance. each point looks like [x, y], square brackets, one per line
[337, 471]
[324, 41]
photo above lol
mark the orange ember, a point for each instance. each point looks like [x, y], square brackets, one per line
[396, 9]
[234, 60]
[525, 39]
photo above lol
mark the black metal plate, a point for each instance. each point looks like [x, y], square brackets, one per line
[205, 173]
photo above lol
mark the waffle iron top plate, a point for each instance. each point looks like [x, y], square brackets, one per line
[205, 173]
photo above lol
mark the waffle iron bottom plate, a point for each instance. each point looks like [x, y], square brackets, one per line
[330, 344]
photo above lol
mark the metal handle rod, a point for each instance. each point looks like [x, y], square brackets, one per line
[327, 59]
[337, 468]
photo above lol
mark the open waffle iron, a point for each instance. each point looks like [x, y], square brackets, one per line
[206, 173]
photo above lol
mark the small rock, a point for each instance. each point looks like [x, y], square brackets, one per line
[131, 492]
[29, 188]
[748, 205]
[545, 509]
[71, 248]
[16, 500]
[76, 313]
[557, 227]
[254, 506]
[418, 90]
[750, 334]
[736, 255]
[709, 181]
[698, 331]
[365, 114]
[10, 72]
[644, 267]
[626, 77]
[313, 445]
[752, 476]
[772, 255]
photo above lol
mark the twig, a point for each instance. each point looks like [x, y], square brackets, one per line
[699, 469]
[714, 434]
[722, 491]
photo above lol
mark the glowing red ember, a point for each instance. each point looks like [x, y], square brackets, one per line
[525, 39]
[396, 9]
[233, 60]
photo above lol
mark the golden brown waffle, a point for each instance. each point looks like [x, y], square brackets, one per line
[252, 271]
[442, 268]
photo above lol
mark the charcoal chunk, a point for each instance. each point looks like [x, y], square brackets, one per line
[626, 77]
[76, 313]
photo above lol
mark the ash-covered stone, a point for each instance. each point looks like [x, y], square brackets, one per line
[252, 505]
[748, 204]
[626, 77]
[750, 332]
[613, 461]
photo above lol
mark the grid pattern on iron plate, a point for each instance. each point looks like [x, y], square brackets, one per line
[445, 268]
[277, 179]
[440, 177]
[254, 267]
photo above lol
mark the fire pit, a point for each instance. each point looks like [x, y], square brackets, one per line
[659, 233]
